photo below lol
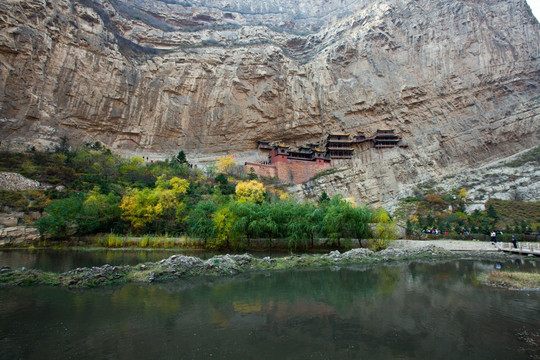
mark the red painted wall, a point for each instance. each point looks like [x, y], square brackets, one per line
[291, 171]
[261, 170]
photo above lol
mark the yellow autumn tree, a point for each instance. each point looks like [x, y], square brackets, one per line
[384, 231]
[223, 222]
[283, 196]
[380, 216]
[225, 164]
[179, 186]
[252, 191]
[141, 207]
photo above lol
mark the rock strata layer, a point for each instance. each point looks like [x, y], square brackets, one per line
[459, 80]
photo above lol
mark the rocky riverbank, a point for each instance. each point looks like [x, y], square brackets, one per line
[180, 266]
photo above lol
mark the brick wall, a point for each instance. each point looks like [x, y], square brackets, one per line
[291, 171]
[261, 170]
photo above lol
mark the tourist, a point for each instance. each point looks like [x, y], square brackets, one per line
[514, 241]
[493, 237]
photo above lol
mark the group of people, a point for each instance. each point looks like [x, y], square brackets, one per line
[437, 232]
[433, 231]
[494, 238]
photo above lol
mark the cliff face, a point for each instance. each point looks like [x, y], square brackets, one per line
[458, 80]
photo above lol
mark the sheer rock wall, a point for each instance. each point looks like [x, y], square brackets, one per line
[458, 80]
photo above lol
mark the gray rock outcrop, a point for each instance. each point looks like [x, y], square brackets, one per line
[18, 235]
[16, 182]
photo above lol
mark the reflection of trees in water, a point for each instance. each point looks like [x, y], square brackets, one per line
[317, 292]
[388, 279]
[412, 310]
[403, 308]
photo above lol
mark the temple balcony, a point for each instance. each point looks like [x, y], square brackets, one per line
[339, 141]
[340, 148]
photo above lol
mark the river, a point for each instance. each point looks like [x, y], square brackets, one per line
[405, 311]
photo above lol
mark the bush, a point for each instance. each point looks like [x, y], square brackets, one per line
[13, 199]
[378, 244]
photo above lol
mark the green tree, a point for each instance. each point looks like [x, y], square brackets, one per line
[323, 198]
[63, 217]
[143, 207]
[304, 224]
[252, 175]
[80, 214]
[492, 214]
[343, 220]
[200, 221]
[63, 146]
[224, 186]
[181, 158]
[103, 211]
[245, 225]
[409, 228]
[430, 220]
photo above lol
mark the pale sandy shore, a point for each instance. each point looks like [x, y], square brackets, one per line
[452, 245]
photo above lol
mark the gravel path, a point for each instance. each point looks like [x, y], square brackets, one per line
[452, 245]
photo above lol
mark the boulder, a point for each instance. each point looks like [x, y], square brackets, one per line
[8, 221]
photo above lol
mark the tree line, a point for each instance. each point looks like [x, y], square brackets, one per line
[219, 205]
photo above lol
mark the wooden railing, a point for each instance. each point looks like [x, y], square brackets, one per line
[522, 248]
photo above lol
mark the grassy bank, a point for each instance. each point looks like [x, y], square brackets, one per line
[146, 241]
[512, 280]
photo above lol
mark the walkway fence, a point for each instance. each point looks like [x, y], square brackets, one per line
[522, 248]
[506, 237]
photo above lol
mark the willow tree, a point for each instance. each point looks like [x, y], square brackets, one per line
[304, 224]
[200, 221]
[344, 220]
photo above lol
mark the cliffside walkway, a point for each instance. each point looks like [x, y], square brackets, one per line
[522, 249]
